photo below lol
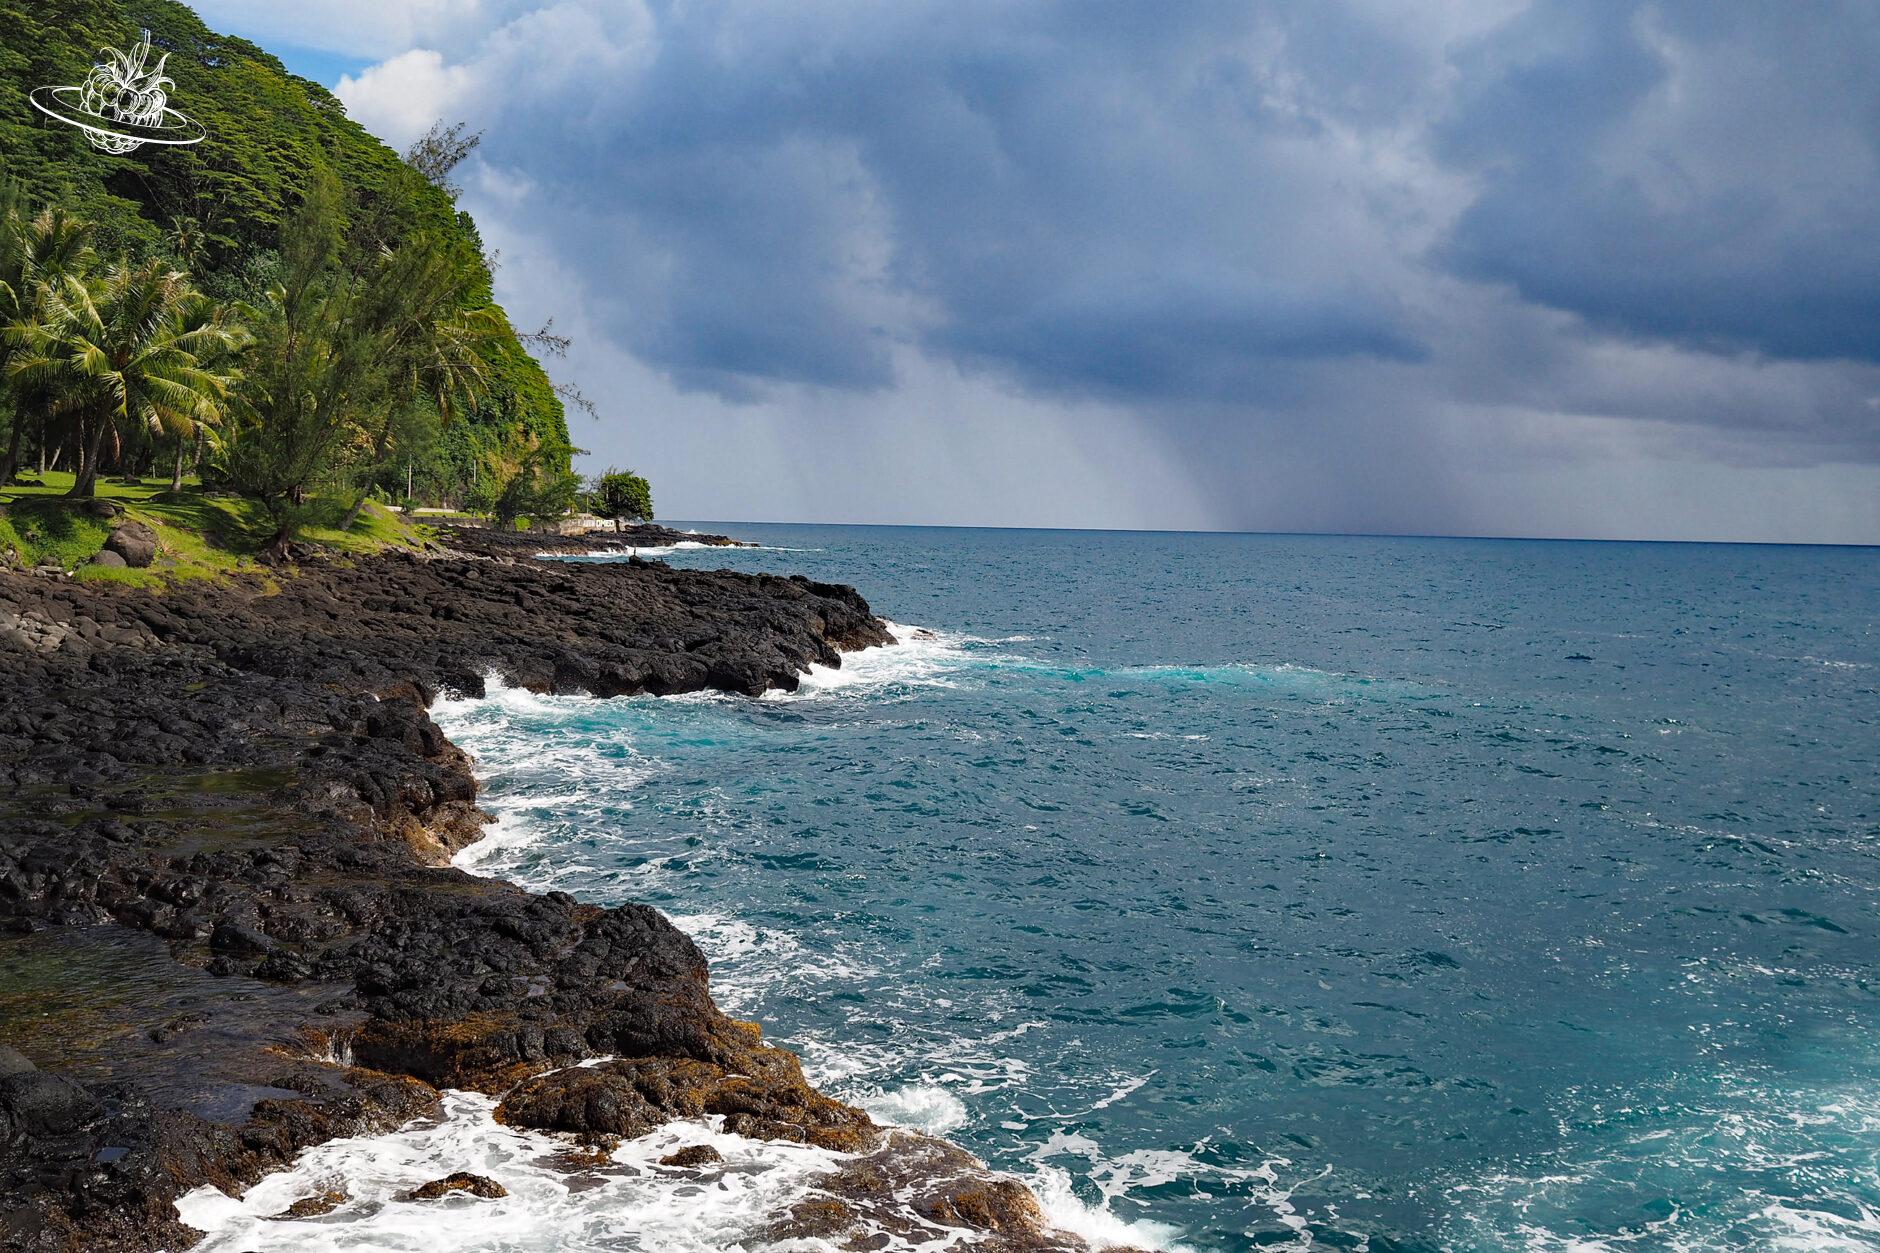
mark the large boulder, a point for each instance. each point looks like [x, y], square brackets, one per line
[39, 1104]
[110, 560]
[762, 1094]
[133, 541]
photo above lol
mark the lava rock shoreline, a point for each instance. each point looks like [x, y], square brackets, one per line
[229, 929]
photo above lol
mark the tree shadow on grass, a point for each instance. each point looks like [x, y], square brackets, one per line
[52, 528]
[225, 522]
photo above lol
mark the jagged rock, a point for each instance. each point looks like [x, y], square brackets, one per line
[818, 1218]
[461, 1181]
[759, 1091]
[920, 1190]
[314, 1206]
[593, 1152]
[239, 941]
[35, 1103]
[693, 1155]
[259, 772]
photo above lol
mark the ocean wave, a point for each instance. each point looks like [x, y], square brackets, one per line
[749, 963]
[629, 1202]
[604, 556]
[908, 1057]
[919, 657]
[924, 1107]
[1782, 1180]
[1097, 1225]
[622, 554]
[552, 767]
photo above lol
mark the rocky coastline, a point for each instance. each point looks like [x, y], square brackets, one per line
[598, 539]
[229, 929]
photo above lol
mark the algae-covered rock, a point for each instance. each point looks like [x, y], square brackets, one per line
[462, 1181]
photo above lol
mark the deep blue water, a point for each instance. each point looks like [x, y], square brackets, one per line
[1395, 893]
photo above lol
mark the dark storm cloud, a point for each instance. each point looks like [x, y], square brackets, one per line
[1340, 264]
[1111, 199]
[1700, 172]
[1146, 200]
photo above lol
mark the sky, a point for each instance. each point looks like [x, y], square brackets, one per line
[1504, 267]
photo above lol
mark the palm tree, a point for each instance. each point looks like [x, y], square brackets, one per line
[33, 253]
[429, 345]
[128, 346]
[223, 338]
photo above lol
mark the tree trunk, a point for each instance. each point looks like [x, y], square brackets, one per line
[280, 548]
[352, 515]
[12, 462]
[176, 471]
[45, 442]
[81, 434]
[91, 447]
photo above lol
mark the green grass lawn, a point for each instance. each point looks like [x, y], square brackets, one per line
[201, 534]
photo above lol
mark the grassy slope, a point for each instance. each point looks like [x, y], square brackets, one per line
[202, 535]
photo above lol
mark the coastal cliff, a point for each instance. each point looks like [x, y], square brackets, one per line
[229, 929]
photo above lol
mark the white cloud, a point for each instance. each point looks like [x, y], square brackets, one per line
[400, 98]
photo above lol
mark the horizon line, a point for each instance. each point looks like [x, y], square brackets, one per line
[1430, 535]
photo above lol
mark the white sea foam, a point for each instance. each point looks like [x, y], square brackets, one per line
[606, 555]
[630, 1203]
[555, 777]
[623, 553]
[1819, 1231]
[1101, 1228]
[574, 782]
[924, 1107]
[750, 963]
[918, 657]
[1766, 1146]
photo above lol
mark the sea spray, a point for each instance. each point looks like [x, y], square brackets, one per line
[629, 1201]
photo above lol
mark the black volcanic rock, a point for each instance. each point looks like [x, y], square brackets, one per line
[229, 929]
[243, 783]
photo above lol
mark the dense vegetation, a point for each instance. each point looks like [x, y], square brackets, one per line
[288, 307]
[621, 495]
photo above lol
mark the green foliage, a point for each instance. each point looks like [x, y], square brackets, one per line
[128, 347]
[304, 366]
[541, 488]
[218, 209]
[268, 131]
[200, 534]
[621, 494]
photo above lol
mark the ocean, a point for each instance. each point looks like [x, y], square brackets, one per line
[1246, 891]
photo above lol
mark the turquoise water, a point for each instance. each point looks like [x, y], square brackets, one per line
[1255, 891]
